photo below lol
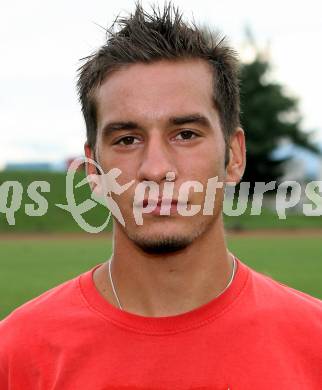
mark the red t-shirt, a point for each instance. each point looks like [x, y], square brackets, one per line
[259, 334]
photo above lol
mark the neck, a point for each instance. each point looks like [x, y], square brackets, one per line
[167, 284]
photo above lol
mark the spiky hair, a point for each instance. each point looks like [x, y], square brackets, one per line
[144, 37]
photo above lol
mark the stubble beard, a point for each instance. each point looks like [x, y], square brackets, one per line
[164, 243]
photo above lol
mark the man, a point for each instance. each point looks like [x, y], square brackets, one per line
[173, 309]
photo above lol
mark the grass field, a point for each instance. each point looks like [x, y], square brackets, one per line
[29, 267]
[55, 219]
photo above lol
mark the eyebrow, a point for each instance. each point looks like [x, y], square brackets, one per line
[192, 118]
[112, 127]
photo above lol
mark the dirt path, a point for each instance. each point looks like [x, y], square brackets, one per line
[276, 233]
[296, 233]
[55, 236]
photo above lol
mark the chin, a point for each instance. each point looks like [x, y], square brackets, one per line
[167, 236]
[161, 244]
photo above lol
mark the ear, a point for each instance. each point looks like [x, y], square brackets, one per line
[89, 167]
[237, 157]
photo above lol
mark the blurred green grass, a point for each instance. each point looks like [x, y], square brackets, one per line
[29, 267]
[56, 219]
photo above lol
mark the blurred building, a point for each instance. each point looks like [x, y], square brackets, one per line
[60, 166]
[302, 165]
[28, 166]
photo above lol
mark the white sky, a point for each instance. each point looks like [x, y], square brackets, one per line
[41, 43]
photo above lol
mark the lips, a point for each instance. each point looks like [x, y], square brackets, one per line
[159, 202]
[165, 207]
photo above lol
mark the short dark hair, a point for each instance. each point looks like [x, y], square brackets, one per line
[162, 35]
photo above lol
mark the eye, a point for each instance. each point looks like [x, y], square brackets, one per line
[128, 140]
[186, 135]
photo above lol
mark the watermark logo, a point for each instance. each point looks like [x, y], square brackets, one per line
[147, 197]
[103, 185]
[11, 196]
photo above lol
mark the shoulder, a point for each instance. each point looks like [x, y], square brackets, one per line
[40, 326]
[276, 297]
[38, 313]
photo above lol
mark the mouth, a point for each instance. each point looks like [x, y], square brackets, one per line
[163, 207]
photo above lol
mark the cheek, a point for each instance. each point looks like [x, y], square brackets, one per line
[203, 165]
[125, 165]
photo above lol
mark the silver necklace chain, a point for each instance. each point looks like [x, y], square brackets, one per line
[112, 284]
[118, 300]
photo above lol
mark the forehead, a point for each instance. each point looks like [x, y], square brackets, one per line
[155, 90]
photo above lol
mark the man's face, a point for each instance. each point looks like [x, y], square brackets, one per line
[154, 119]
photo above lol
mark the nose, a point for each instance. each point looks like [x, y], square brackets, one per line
[157, 160]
